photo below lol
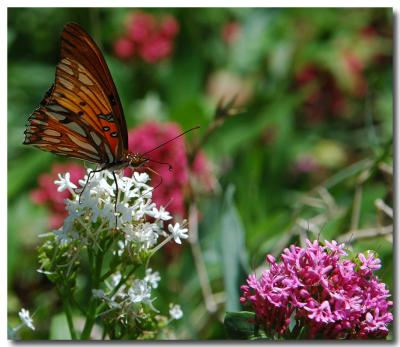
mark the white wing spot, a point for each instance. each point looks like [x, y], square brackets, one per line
[67, 69]
[57, 116]
[109, 154]
[51, 139]
[82, 144]
[38, 122]
[65, 61]
[65, 149]
[67, 84]
[85, 79]
[56, 108]
[95, 137]
[76, 128]
[52, 132]
[93, 156]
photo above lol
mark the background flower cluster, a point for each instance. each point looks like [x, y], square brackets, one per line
[148, 37]
[327, 294]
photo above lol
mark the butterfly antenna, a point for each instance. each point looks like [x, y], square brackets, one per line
[161, 162]
[163, 144]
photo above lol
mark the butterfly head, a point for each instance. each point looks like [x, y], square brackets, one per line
[136, 159]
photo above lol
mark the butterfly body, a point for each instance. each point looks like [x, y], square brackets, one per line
[129, 159]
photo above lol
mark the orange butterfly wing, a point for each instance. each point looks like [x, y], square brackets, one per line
[81, 115]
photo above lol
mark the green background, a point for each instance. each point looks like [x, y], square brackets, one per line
[262, 193]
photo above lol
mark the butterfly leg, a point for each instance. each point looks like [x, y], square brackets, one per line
[156, 173]
[91, 173]
[116, 198]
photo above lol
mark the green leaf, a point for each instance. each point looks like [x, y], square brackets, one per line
[240, 325]
[59, 328]
[25, 173]
[234, 255]
[11, 334]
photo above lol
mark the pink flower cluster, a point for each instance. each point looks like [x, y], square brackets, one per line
[148, 37]
[148, 136]
[322, 293]
[47, 192]
[171, 192]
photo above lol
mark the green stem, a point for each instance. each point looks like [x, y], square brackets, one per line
[73, 301]
[68, 314]
[155, 249]
[120, 283]
[91, 315]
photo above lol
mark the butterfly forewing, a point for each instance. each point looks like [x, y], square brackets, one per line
[81, 115]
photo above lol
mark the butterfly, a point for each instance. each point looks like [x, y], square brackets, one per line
[81, 115]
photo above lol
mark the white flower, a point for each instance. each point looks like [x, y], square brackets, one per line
[177, 232]
[26, 318]
[141, 178]
[140, 292]
[63, 237]
[99, 294]
[159, 214]
[65, 183]
[152, 277]
[143, 233]
[175, 311]
[116, 278]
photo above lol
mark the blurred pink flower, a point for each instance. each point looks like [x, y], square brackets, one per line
[147, 36]
[148, 136]
[231, 32]
[171, 193]
[325, 98]
[124, 48]
[169, 27]
[305, 163]
[47, 192]
[354, 67]
[155, 49]
[141, 26]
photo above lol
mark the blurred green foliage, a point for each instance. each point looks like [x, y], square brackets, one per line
[315, 86]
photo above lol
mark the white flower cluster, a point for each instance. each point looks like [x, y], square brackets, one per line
[130, 222]
[96, 206]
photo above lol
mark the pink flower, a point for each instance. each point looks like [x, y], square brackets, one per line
[321, 313]
[124, 48]
[150, 36]
[171, 191]
[169, 27]
[47, 192]
[141, 26]
[322, 292]
[148, 136]
[231, 32]
[155, 49]
[335, 247]
[305, 164]
[324, 97]
[369, 264]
